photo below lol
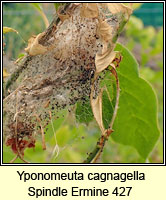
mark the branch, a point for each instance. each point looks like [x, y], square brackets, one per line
[25, 61]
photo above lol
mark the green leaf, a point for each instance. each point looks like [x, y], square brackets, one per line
[136, 121]
[107, 109]
[108, 98]
[21, 55]
[83, 112]
[8, 29]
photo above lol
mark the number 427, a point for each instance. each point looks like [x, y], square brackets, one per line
[122, 191]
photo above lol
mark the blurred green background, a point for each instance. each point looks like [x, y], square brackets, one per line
[143, 36]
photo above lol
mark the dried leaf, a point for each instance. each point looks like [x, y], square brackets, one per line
[134, 6]
[62, 17]
[104, 31]
[89, 10]
[103, 60]
[119, 8]
[109, 32]
[96, 105]
[34, 48]
[77, 4]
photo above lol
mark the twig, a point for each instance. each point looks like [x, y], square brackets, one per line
[95, 154]
[52, 26]
[5, 99]
[16, 74]
[12, 161]
[17, 156]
